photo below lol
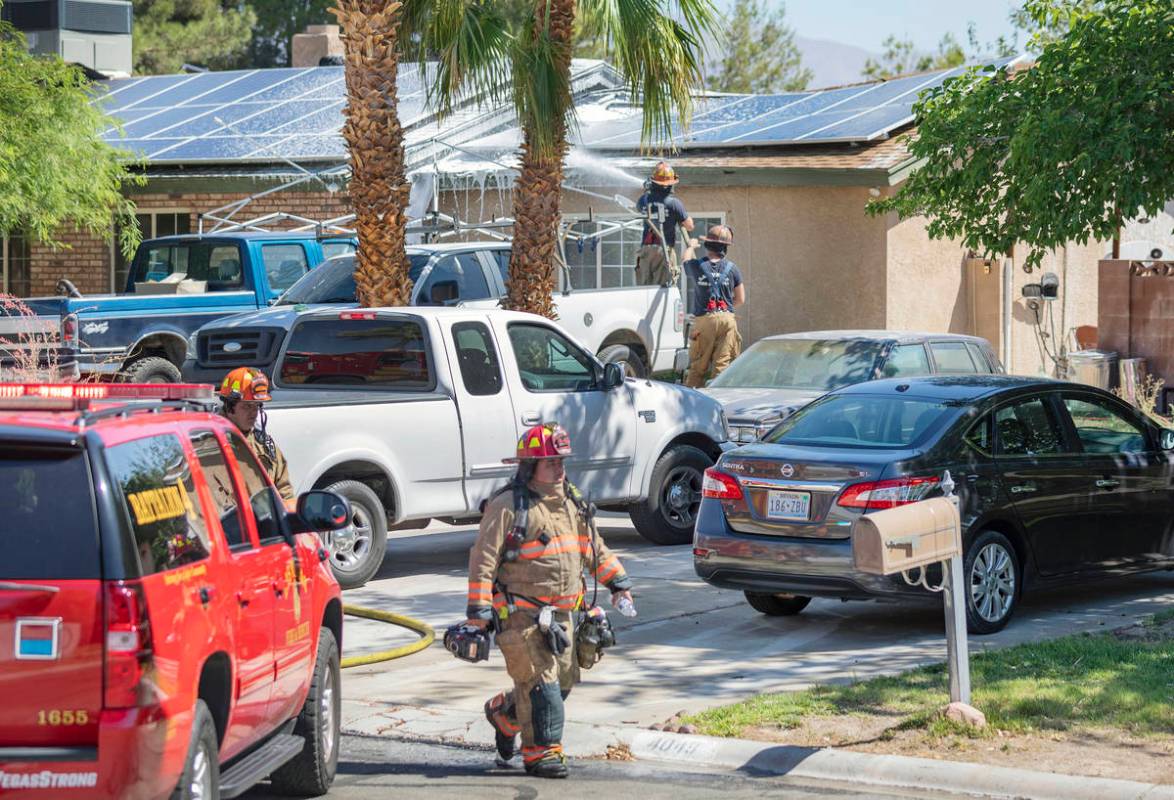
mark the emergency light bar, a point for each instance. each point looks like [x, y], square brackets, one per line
[78, 395]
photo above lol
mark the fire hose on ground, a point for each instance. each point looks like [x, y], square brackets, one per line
[427, 636]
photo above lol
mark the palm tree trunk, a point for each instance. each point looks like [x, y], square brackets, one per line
[538, 189]
[378, 188]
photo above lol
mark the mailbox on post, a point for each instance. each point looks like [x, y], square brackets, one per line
[906, 537]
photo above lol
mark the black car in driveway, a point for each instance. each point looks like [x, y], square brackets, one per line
[1057, 481]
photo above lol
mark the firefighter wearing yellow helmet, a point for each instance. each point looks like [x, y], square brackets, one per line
[526, 577]
[656, 261]
[714, 340]
[242, 395]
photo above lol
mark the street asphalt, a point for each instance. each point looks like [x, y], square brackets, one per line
[691, 647]
[374, 767]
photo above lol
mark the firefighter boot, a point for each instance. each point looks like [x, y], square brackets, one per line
[552, 764]
[498, 710]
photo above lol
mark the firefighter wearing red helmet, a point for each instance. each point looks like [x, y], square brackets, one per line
[242, 395]
[526, 577]
[714, 340]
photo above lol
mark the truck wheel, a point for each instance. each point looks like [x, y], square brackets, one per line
[311, 771]
[151, 369]
[777, 605]
[667, 515]
[626, 357]
[357, 550]
[201, 768]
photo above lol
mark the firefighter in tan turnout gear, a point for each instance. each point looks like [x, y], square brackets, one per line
[527, 577]
[718, 289]
[242, 395]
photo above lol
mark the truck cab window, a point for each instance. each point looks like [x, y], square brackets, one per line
[453, 279]
[284, 264]
[378, 353]
[188, 268]
[549, 362]
[262, 498]
[477, 357]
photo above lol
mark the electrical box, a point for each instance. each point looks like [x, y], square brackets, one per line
[906, 537]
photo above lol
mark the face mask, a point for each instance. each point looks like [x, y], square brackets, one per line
[716, 249]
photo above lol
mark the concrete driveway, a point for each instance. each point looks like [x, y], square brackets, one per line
[690, 648]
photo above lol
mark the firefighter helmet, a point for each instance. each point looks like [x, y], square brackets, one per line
[663, 175]
[245, 383]
[719, 234]
[548, 440]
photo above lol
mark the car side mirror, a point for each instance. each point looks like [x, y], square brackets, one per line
[1167, 439]
[321, 511]
[613, 376]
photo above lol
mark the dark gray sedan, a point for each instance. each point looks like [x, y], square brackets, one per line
[1057, 481]
[780, 374]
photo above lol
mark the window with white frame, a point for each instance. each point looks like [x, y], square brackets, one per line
[15, 258]
[608, 260]
[151, 225]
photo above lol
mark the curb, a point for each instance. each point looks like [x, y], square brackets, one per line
[582, 740]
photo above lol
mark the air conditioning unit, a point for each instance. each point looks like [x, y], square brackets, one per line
[93, 33]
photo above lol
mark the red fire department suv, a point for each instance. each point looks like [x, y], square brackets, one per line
[166, 627]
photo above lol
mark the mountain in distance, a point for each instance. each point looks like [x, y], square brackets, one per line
[833, 63]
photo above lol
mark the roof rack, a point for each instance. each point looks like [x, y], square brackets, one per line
[321, 228]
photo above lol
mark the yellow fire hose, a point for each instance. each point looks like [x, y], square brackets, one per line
[427, 636]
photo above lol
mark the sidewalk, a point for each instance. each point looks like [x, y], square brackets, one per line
[584, 740]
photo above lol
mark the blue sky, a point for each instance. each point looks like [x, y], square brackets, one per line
[865, 23]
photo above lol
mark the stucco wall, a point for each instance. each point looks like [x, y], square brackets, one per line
[926, 288]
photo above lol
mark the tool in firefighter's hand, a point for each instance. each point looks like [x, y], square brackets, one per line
[468, 643]
[556, 635]
[592, 637]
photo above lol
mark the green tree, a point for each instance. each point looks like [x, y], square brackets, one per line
[170, 33]
[1060, 152]
[899, 58]
[760, 55]
[55, 170]
[1055, 21]
[277, 22]
[656, 44]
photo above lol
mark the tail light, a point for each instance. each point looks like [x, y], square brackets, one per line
[877, 495]
[128, 644]
[720, 486]
[679, 316]
[358, 315]
[69, 337]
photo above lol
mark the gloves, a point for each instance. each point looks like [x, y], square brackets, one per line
[557, 639]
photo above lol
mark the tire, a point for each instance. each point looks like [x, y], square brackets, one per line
[357, 551]
[201, 768]
[311, 771]
[627, 358]
[994, 579]
[777, 605]
[669, 512]
[152, 369]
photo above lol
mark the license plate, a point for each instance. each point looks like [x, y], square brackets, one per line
[788, 505]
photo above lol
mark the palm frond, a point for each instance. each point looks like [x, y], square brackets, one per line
[542, 84]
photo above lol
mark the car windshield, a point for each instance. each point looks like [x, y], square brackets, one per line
[334, 282]
[869, 421]
[823, 364]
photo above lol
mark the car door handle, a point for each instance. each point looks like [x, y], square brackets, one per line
[531, 418]
[1108, 483]
[244, 598]
[1023, 488]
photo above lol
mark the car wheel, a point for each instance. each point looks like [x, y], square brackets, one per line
[669, 512]
[200, 779]
[152, 369]
[627, 358]
[993, 580]
[777, 605]
[357, 550]
[311, 771]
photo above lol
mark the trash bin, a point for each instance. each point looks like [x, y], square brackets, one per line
[1133, 376]
[1093, 367]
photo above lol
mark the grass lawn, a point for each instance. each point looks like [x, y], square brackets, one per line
[1122, 681]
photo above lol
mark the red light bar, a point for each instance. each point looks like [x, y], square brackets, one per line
[368, 315]
[76, 395]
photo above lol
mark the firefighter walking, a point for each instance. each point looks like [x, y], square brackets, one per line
[243, 393]
[526, 577]
[718, 289]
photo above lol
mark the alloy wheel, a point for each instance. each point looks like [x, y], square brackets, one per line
[992, 582]
[349, 546]
[326, 715]
[200, 787]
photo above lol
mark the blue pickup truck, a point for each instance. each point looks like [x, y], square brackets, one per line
[175, 285]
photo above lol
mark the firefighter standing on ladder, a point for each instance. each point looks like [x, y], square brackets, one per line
[718, 290]
[536, 541]
[656, 261]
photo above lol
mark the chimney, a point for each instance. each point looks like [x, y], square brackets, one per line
[93, 33]
[320, 43]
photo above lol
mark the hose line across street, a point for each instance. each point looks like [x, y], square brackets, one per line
[427, 636]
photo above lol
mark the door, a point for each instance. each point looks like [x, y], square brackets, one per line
[1046, 482]
[285, 263]
[560, 382]
[253, 604]
[488, 421]
[284, 583]
[51, 627]
[1129, 481]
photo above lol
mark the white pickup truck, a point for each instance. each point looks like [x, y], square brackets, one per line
[641, 328]
[408, 412]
